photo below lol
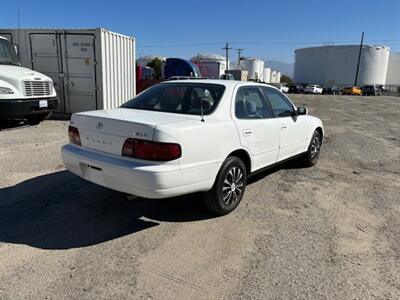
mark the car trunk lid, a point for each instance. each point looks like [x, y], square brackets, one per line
[107, 130]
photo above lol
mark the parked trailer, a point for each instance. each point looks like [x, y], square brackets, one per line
[211, 70]
[91, 68]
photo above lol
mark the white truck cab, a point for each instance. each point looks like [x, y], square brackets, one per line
[24, 93]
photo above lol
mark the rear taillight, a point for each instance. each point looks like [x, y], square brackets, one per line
[148, 150]
[73, 134]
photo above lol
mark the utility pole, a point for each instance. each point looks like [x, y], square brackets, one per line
[239, 51]
[227, 48]
[359, 58]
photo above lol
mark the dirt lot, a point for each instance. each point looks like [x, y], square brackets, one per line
[327, 232]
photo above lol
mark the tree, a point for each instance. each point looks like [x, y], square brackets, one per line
[286, 79]
[156, 64]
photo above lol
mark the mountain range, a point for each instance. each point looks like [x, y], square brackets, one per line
[285, 68]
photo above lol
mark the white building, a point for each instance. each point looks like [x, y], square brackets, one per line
[337, 65]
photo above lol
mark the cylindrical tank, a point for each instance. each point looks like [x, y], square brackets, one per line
[393, 72]
[254, 66]
[273, 77]
[278, 77]
[267, 75]
[144, 60]
[337, 65]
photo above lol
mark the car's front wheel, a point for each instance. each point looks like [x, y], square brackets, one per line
[228, 188]
[311, 157]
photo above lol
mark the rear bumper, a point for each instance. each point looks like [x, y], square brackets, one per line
[135, 178]
[12, 108]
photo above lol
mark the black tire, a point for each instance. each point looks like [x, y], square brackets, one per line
[310, 158]
[228, 188]
[36, 119]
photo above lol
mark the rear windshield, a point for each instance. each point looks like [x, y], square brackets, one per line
[178, 97]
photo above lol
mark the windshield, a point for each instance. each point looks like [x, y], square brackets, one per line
[177, 97]
[7, 53]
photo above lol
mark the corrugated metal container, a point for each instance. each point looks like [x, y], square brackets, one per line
[91, 68]
[337, 65]
[393, 72]
[267, 75]
[254, 66]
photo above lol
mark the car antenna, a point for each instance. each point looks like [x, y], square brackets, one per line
[201, 110]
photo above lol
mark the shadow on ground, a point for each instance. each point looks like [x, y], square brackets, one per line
[62, 211]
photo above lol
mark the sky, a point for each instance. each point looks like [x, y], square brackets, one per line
[271, 30]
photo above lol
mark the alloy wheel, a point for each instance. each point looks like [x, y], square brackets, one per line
[233, 185]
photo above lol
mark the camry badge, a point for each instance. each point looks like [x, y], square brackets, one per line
[99, 125]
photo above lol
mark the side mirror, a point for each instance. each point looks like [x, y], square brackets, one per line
[302, 110]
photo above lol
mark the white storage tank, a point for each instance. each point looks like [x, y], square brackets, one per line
[337, 65]
[393, 72]
[210, 65]
[91, 68]
[273, 77]
[278, 77]
[267, 75]
[254, 66]
[144, 60]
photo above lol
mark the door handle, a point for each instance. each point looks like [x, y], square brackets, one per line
[283, 126]
[247, 132]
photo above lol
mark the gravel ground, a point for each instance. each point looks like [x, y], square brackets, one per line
[327, 232]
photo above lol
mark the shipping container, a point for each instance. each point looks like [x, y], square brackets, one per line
[91, 68]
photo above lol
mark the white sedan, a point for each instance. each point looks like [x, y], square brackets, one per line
[313, 89]
[180, 137]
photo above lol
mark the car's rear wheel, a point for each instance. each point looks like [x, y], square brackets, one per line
[311, 157]
[228, 188]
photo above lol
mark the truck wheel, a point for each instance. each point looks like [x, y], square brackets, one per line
[36, 119]
[228, 188]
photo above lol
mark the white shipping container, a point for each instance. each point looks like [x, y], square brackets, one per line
[91, 68]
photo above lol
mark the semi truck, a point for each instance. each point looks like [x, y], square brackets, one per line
[24, 93]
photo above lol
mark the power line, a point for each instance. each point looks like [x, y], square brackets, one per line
[265, 43]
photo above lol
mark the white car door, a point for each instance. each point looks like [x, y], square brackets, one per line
[257, 128]
[293, 128]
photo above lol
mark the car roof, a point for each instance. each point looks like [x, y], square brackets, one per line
[227, 83]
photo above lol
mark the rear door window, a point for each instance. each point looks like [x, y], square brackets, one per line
[250, 104]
